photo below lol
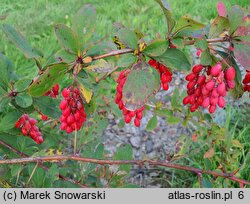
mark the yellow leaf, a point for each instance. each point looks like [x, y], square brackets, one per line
[85, 92]
[236, 143]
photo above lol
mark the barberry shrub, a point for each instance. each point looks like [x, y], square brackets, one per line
[74, 91]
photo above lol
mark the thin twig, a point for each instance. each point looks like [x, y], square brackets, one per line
[113, 53]
[41, 165]
[118, 162]
[212, 40]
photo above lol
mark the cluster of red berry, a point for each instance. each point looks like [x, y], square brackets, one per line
[128, 114]
[246, 82]
[73, 115]
[53, 93]
[207, 86]
[28, 127]
[165, 74]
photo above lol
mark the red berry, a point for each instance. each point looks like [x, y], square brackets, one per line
[70, 119]
[201, 80]
[246, 80]
[24, 131]
[165, 86]
[44, 117]
[191, 76]
[231, 84]
[197, 68]
[216, 69]
[186, 100]
[56, 88]
[63, 126]
[63, 104]
[69, 129]
[213, 100]
[27, 126]
[127, 119]
[210, 85]
[206, 102]
[32, 121]
[221, 102]
[65, 93]
[230, 74]
[137, 122]
[191, 84]
[221, 89]
[212, 109]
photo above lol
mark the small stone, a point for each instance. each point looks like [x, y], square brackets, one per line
[135, 141]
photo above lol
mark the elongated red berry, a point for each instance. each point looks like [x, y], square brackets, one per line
[216, 69]
[206, 102]
[230, 74]
[221, 102]
[197, 68]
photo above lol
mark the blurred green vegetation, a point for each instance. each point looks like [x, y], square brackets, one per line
[35, 19]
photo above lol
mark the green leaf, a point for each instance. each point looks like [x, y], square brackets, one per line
[127, 37]
[156, 48]
[84, 22]
[20, 42]
[152, 123]
[22, 84]
[52, 174]
[67, 38]
[219, 25]
[174, 59]
[206, 58]
[48, 106]
[64, 56]
[142, 82]
[24, 100]
[202, 44]
[52, 75]
[206, 183]
[165, 8]
[8, 121]
[235, 16]
[126, 60]
[164, 112]
[186, 23]
[178, 42]
[175, 99]
[101, 48]
[4, 101]
[173, 120]
[6, 71]
[124, 152]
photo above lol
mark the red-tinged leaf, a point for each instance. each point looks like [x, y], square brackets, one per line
[221, 9]
[235, 16]
[244, 28]
[142, 82]
[242, 53]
